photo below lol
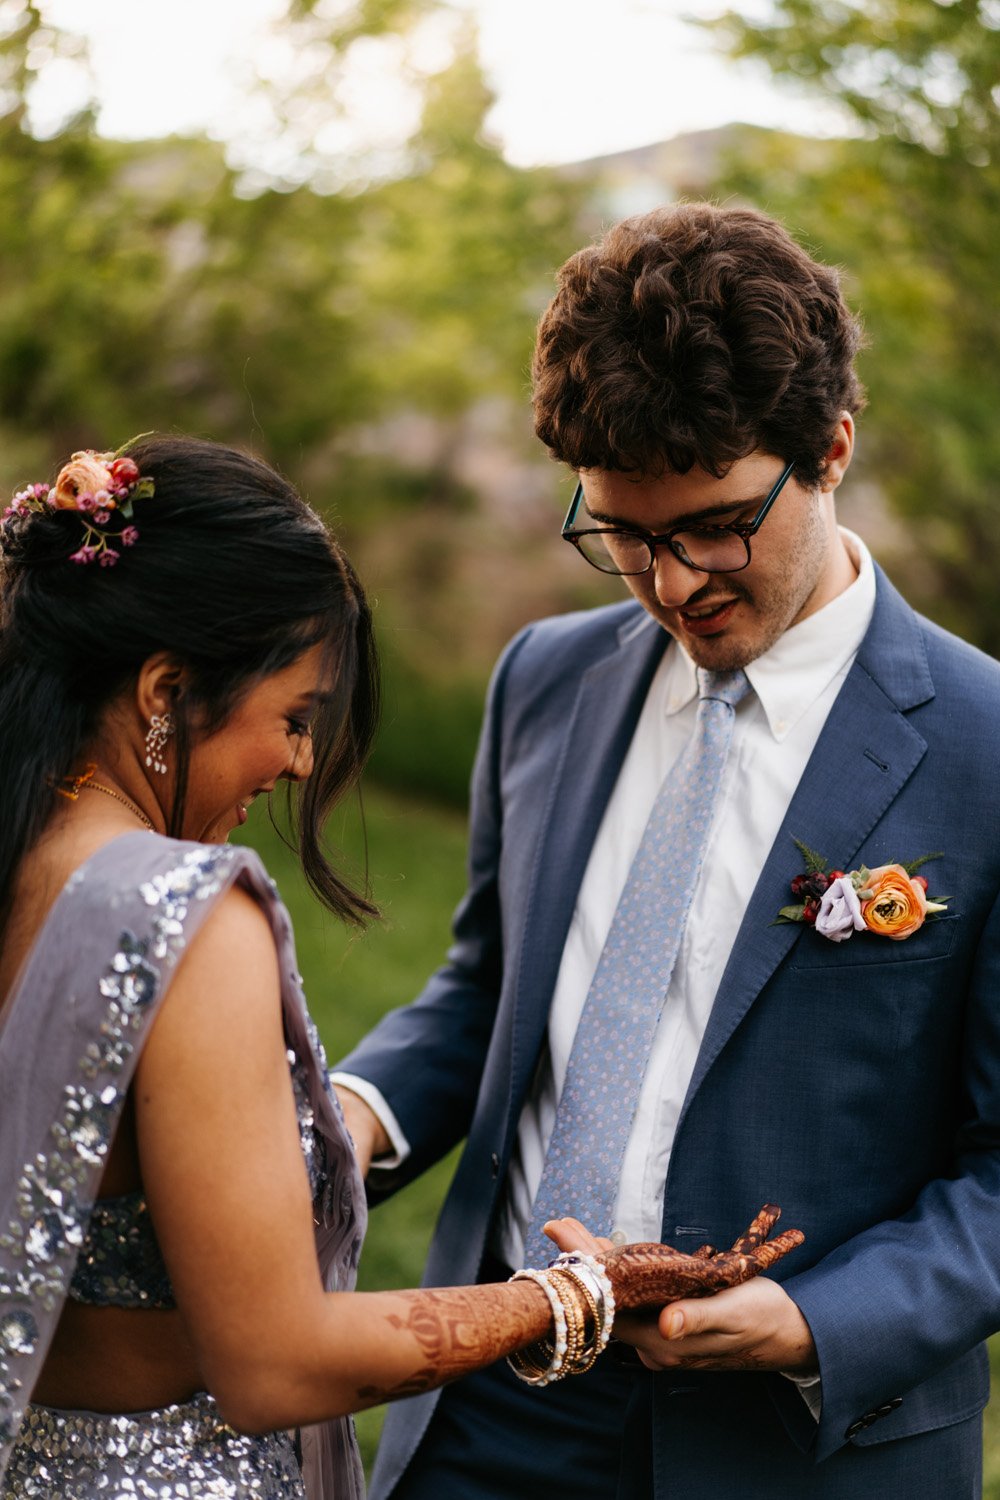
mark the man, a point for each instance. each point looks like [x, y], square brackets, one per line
[622, 1029]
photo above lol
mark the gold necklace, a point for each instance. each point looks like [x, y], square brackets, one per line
[96, 786]
[72, 786]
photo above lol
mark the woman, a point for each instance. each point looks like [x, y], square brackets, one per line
[180, 634]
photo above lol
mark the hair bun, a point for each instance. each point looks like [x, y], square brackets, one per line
[37, 538]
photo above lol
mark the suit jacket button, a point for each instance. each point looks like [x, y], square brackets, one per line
[889, 1406]
[494, 1165]
[860, 1425]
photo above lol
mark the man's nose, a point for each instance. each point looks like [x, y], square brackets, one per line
[673, 581]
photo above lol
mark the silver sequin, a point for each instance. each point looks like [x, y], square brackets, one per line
[183, 1452]
[120, 1264]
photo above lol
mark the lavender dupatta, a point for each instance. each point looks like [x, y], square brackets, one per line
[71, 1037]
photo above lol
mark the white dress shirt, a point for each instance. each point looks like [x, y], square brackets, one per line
[777, 726]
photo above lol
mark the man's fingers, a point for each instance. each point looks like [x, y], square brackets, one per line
[570, 1234]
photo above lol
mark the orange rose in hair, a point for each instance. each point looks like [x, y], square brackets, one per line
[85, 474]
[896, 906]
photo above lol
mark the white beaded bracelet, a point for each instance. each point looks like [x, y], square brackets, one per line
[591, 1273]
[555, 1369]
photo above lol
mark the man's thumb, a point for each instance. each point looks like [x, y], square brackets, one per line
[677, 1319]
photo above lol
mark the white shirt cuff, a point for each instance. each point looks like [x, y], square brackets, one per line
[810, 1389]
[376, 1103]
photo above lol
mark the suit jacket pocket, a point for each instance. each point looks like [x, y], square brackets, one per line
[934, 940]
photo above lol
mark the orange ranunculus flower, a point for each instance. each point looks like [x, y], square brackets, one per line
[897, 905]
[85, 474]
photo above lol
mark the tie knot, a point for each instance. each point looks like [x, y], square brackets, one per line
[726, 687]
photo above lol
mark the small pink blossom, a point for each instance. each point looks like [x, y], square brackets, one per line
[102, 517]
[86, 554]
[108, 557]
[129, 536]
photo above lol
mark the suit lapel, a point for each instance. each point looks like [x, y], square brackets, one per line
[865, 755]
[599, 730]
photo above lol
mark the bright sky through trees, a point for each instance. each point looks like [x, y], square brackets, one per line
[574, 78]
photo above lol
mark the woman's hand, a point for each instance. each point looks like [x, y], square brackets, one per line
[740, 1322]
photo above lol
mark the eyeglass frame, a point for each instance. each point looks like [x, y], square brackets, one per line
[666, 538]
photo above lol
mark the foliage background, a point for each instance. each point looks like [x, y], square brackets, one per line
[366, 325]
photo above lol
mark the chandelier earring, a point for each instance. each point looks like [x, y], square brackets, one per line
[161, 727]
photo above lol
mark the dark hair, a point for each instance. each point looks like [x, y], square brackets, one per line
[235, 576]
[694, 335]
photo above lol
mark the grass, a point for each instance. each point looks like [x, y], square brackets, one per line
[416, 854]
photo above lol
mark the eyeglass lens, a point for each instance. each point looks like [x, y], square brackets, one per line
[710, 550]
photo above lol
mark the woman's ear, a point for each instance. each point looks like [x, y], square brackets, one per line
[159, 684]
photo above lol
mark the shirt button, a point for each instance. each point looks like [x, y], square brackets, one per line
[780, 726]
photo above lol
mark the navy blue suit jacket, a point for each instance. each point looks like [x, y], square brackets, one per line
[856, 1084]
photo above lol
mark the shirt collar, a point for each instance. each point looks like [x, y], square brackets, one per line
[803, 662]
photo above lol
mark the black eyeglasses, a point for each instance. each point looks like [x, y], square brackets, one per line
[707, 549]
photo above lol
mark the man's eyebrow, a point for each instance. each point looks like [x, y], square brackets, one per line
[693, 518]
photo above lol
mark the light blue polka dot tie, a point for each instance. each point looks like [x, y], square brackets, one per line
[611, 1047]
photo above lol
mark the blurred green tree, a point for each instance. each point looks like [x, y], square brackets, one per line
[157, 284]
[910, 208]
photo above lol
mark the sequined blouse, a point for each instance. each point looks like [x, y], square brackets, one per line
[120, 1264]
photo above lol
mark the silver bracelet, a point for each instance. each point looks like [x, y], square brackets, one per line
[590, 1272]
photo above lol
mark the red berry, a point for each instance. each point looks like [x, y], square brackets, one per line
[810, 912]
[835, 875]
[125, 470]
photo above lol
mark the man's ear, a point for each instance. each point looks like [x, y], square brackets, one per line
[160, 683]
[838, 456]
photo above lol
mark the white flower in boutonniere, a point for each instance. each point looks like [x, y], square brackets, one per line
[890, 901]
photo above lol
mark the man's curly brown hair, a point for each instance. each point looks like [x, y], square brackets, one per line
[694, 335]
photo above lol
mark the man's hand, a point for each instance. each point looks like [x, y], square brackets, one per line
[365, 1127]
[755, 1326]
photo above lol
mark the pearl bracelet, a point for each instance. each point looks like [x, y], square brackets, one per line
[521, 1362]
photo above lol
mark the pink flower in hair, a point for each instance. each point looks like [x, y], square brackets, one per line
[86, 554]
[129, 536]
[102, 517]
[108, 557]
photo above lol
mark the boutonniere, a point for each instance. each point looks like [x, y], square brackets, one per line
[891, 901]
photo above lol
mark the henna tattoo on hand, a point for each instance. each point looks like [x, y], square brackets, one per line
[644, 1275]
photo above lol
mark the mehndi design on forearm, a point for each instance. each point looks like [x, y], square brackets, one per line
[461, 1329]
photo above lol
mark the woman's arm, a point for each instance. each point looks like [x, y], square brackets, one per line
[227, 1188]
